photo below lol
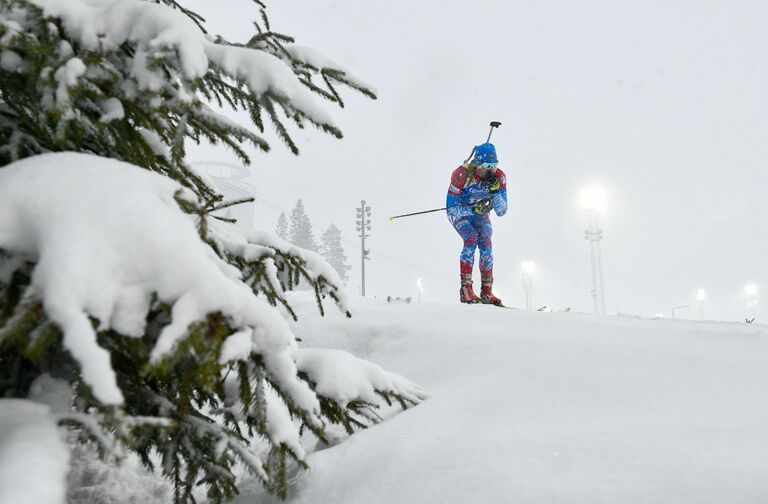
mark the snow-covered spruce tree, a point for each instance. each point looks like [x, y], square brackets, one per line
[282, 227]
[301, 233]
[333, 251]
[119, 277]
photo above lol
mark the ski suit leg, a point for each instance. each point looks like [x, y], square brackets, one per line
[484, 230]
[466, 230]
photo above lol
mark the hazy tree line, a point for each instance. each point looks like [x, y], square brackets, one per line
[298, 230]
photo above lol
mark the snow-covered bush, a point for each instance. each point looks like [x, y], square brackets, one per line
[166, 320]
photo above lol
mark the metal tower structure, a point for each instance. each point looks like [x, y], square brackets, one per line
[529, 269]
[751, 292]
[363, 224]
[594, 234]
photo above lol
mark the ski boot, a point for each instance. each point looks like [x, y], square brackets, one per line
[467, 293]
[486, 294]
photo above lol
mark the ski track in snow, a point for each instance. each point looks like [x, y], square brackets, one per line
[531, 407]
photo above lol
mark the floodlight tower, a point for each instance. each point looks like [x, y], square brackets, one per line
[420, 287]
[751, 291]
[529, 269]
[593, 202]
[363, 224]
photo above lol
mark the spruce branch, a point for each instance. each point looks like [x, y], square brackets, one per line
[195, 17]
[240, 201]
[182, 416]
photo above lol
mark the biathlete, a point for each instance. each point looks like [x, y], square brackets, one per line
[477, 187]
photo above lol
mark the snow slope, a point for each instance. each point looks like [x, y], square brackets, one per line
[548, 408]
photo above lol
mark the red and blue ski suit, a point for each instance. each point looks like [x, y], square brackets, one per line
[475, 229]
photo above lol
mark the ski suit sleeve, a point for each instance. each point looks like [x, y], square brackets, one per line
[454, 199]
[500, 198]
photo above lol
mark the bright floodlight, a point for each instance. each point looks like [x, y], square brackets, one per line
[419, 283]
[593, 199]
[528, 267]
[701, 294]
[751, 290]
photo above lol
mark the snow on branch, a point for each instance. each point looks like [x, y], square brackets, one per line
[274, 255]
[344, 378]
[266, 74]
[156, 29]
[107, 237]
[104, 70]
[106, 24]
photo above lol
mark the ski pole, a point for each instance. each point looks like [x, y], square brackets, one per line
[484, 201]
[494, 124]
[417, 213]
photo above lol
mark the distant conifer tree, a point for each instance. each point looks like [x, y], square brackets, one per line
[282, 227]
[301, 233]
[333, 251]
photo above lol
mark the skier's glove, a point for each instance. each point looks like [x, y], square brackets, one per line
[482, 207]
[493, 183]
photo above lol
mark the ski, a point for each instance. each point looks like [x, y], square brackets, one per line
[500, 305]
[497, 305]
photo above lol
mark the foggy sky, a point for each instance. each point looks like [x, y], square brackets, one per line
[665, 103]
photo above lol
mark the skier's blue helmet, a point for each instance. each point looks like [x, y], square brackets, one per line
[485, 155]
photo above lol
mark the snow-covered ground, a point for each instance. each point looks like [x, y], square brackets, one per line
[548, 408]
[529, 408]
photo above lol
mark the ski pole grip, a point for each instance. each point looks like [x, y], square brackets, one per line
[494, 124]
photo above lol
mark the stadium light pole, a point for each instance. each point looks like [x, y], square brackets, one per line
[593, 201]
[420, 287]
[363, 224]
[751, 291]
[529, 269]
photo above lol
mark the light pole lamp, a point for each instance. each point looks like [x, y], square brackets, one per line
[420, 287]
